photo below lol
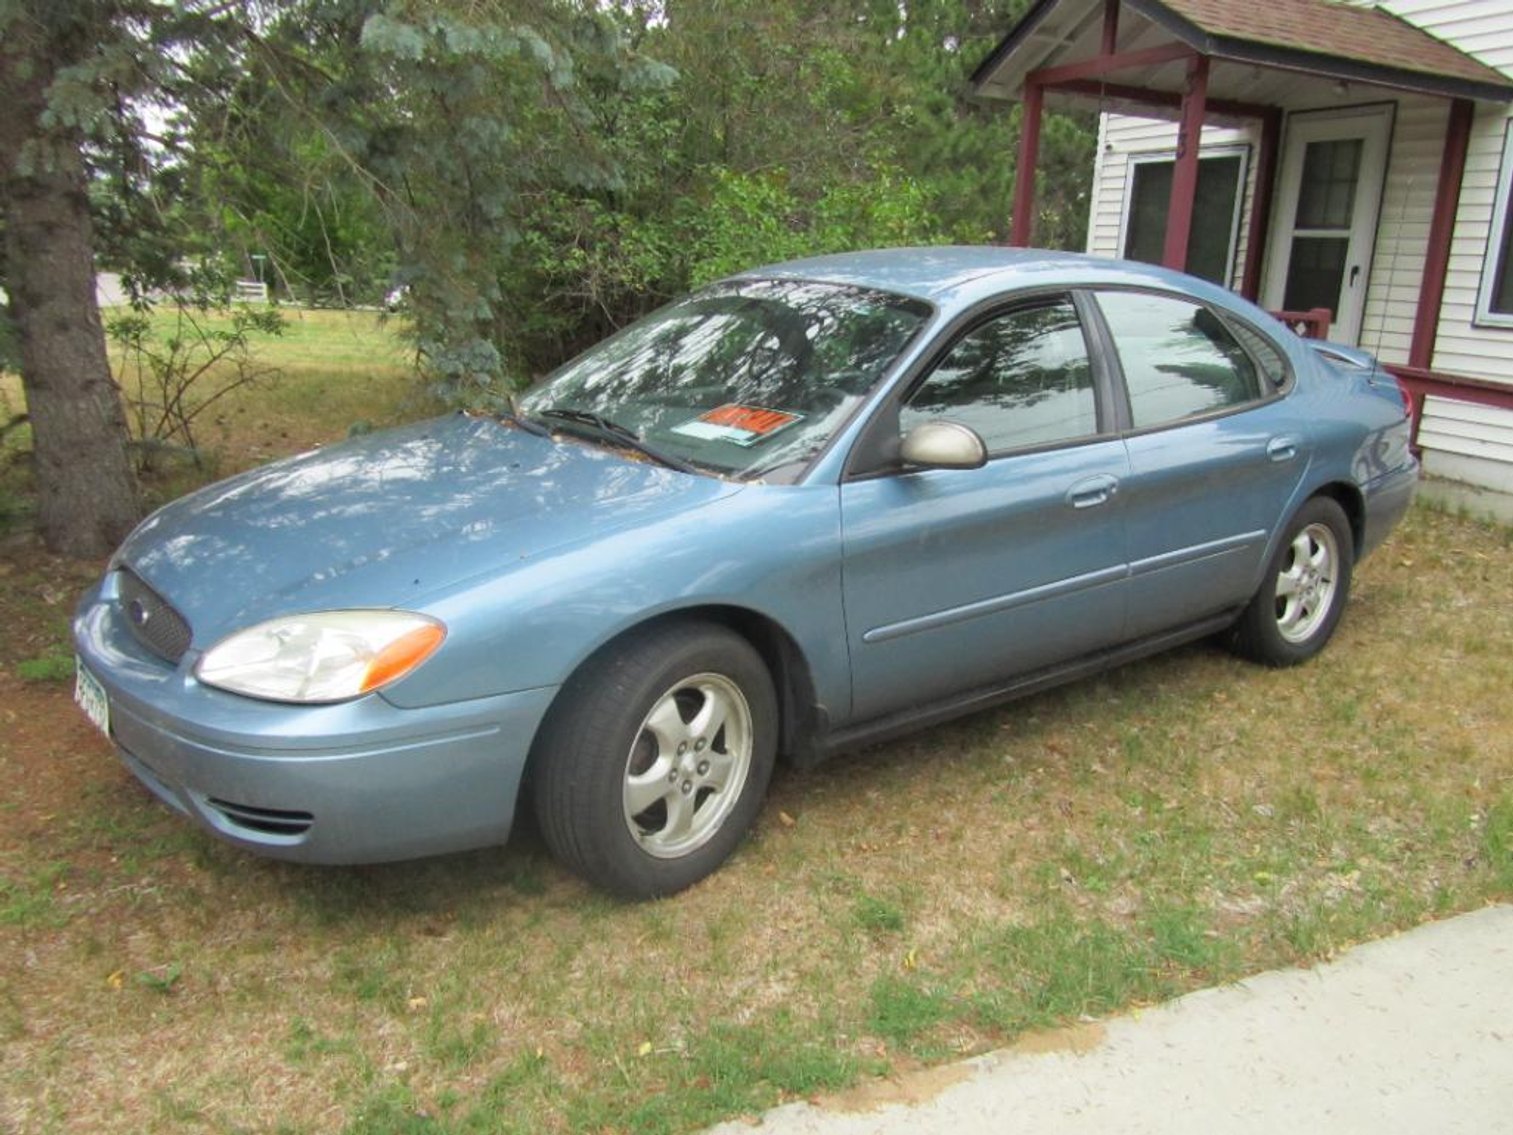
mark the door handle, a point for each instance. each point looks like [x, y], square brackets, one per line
[1355, 274]
[1282, 448]
[1093, 491]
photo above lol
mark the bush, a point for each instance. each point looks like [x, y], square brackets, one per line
[173, 368]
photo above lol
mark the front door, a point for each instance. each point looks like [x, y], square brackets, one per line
[959, 579]
[1329, 194]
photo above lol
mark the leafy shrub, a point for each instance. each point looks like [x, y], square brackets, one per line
[172, 370]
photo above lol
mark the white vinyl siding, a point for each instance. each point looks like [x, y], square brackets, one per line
[1478, 27]
[1462, 440]
[1483, 28]
[1467, 442]
[1402, 242]
[1462, 346]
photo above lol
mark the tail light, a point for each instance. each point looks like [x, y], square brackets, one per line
[1407, 396]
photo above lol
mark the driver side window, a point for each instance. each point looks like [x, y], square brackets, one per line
[1021, 379]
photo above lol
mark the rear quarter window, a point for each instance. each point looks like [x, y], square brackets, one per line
[1268, 357]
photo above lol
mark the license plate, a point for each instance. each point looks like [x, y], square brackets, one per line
[90, 696]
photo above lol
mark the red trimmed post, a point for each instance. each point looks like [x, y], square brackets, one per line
[1024, 175]
[1441, 228]
[1179, 219]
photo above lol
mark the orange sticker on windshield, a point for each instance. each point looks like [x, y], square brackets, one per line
[743, 425]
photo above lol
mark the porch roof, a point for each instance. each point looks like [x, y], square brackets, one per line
[1253, 45]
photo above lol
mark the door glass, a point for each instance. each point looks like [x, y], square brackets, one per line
[1179, 359]
[1326, 207]
[1019, 380]
[1315, 273]
[1326, 195]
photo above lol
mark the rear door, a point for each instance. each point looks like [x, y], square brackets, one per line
[958, 578]
[1216, 454]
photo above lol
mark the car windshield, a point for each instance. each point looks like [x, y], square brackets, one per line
[749, 378]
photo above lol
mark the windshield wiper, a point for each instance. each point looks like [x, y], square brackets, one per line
[621, 435]
[529, 425]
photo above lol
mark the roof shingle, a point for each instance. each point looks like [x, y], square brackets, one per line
[1321, 27]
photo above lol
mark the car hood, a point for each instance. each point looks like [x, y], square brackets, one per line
[388, 519]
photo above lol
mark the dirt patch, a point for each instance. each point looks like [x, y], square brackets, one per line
[52, 756]
[49, 754]
[1076, 1040]
[907, 1089]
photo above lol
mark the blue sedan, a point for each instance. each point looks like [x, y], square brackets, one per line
[809, 506]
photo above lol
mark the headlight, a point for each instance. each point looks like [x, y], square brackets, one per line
[322, 657]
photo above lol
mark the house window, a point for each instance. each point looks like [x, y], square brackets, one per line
[1494, 304]
[1216, 213]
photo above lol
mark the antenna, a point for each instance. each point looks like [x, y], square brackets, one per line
[1381, 323]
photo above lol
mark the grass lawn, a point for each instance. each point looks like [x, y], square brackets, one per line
[1181, 822]
[330, 372]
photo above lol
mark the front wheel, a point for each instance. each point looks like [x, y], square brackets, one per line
[653, 764]
[1303, 593]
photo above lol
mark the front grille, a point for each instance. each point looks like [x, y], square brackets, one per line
[156, 625]
[264, 821]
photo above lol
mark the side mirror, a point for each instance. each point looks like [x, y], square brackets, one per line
[942, 444]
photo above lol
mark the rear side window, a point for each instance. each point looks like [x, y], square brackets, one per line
[1179, 359]
[1021, 379]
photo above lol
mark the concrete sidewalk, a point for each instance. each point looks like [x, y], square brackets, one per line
[1411, 1034]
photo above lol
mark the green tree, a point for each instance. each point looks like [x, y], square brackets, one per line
[537, 171]
[434, 117]
[790, 129]
[413, 143]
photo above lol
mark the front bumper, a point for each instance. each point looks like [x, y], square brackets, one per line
[357, 782]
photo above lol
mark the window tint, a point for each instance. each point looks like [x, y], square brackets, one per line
[1021, 379]
[1179, 359]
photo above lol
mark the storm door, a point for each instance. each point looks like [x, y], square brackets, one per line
[1328, 198]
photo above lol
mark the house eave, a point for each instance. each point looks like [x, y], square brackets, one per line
[1028, 24]
[1325, 66]
[1336, 67]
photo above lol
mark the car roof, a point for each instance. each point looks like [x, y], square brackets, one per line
[951, 276]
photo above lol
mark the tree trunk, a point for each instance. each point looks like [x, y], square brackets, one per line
[85, 488]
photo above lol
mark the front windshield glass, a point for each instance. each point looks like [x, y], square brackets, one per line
[749, 378]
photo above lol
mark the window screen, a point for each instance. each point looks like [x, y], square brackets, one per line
[1210, 248]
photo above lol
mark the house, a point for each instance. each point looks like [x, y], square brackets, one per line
[1353, 171]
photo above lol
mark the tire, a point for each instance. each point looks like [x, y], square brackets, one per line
[1304, 591]
[653, 763]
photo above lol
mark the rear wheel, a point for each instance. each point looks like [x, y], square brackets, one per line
[1304, 591]
[654, 762]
